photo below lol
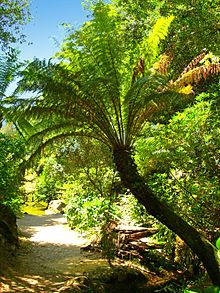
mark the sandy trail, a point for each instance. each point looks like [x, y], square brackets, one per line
[49, 255]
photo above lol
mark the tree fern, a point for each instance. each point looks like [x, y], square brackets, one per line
[93, 87]
[101, 89]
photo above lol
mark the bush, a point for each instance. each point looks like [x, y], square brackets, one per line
[11, 152]
[49, 181]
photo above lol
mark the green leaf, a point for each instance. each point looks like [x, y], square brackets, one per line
[218, 243]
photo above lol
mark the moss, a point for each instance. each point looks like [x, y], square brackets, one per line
[32, 208]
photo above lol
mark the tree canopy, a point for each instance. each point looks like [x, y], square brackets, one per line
[13, 15]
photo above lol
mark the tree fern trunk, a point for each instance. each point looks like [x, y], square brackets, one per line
[196, 241]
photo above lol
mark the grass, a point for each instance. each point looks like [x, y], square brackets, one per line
[33, 208]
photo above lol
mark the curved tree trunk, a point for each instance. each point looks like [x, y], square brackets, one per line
[130, 177]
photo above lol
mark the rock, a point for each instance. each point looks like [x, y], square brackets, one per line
[56, 206]
[8, 230]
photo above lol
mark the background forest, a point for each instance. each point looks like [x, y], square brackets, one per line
[123, 125]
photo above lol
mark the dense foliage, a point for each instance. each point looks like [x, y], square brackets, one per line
[11, 152]
[83, 176]
[49, 181]
[189, 34]
[184, 163]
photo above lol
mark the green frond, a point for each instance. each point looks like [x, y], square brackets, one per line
[150, 45]
[141, 97]
[8, 69]
[40, 140]
[25, 126]
[99, 88]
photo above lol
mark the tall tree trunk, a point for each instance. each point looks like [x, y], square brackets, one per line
[196, 241]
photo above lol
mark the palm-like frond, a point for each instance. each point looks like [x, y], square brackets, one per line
[149, 48]
[99, 89]
[195, 75]
[8, 68]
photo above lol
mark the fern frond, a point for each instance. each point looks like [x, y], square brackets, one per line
[195, 75]
[152, 94]
[37, 148]
[140, 102]
[8, 70]
[193, 63]
[150, 45]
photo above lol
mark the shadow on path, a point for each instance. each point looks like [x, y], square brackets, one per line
[49, 255]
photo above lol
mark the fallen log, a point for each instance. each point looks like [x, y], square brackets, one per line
[139, 245]
[127, 237]
[131, 241]
[133, 229]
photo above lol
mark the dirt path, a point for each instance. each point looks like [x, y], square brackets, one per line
[49, 255]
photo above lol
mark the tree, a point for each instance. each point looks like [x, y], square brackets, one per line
[13, 15]
[102, 89]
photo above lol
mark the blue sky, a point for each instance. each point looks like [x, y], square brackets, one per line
[45, 26]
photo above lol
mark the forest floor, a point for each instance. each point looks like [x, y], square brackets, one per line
[48, 256]
[50, 259]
